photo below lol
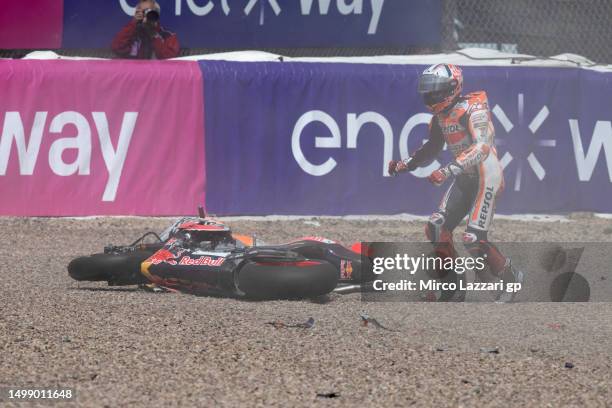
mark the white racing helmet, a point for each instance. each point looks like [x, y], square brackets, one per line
[440, 85]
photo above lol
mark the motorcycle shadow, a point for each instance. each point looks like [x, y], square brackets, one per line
[323, 299]
[105, 289]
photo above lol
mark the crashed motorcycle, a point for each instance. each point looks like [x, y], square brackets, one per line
[200, 255]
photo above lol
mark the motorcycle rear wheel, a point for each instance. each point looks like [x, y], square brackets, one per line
[286, 280]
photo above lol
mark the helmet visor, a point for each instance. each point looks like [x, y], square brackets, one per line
[434, 83]
[434, 98]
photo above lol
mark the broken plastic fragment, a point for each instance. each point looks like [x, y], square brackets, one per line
[365, 319]
[306, 325]
[328, 395]
[152, 287]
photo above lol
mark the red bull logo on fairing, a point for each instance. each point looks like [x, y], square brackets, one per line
[203, 260]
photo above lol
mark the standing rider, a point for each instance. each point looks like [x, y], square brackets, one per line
[464, 124]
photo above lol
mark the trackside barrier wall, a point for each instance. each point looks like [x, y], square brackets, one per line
[101, 137]
[127, 137]
[315, 138]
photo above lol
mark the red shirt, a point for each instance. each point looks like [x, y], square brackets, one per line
[133, 42]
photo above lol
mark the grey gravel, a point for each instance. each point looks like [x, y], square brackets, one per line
[119, 346]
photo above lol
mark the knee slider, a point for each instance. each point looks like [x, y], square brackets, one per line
[477, 244]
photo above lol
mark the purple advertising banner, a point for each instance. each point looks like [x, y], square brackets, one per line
[265, 23]
[314, 138]
[227, 23]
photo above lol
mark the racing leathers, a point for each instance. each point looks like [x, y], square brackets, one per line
[477, 178]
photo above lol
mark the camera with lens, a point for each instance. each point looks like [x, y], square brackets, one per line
[151, 15]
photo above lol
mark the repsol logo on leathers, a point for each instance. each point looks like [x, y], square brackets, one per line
[454, 128]
[486, 207]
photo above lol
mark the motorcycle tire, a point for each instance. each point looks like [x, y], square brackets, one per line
[116, 269]
[286, 280]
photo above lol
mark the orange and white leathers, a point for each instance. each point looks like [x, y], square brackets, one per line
[467, 130]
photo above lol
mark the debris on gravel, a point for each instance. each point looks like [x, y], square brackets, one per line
[277, 324]
[365, 319]
[328, 395]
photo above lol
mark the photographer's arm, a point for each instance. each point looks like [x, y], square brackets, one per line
[122, 43]
[166, 45]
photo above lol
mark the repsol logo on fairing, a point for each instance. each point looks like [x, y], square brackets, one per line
[13, 129]
[486, 207]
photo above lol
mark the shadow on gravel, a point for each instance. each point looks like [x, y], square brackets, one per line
[321, 300]
[106, 289]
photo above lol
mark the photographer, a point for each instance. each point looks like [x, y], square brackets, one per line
[143, 37]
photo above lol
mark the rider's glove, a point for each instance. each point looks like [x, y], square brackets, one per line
[438, 177]
[396, 167]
